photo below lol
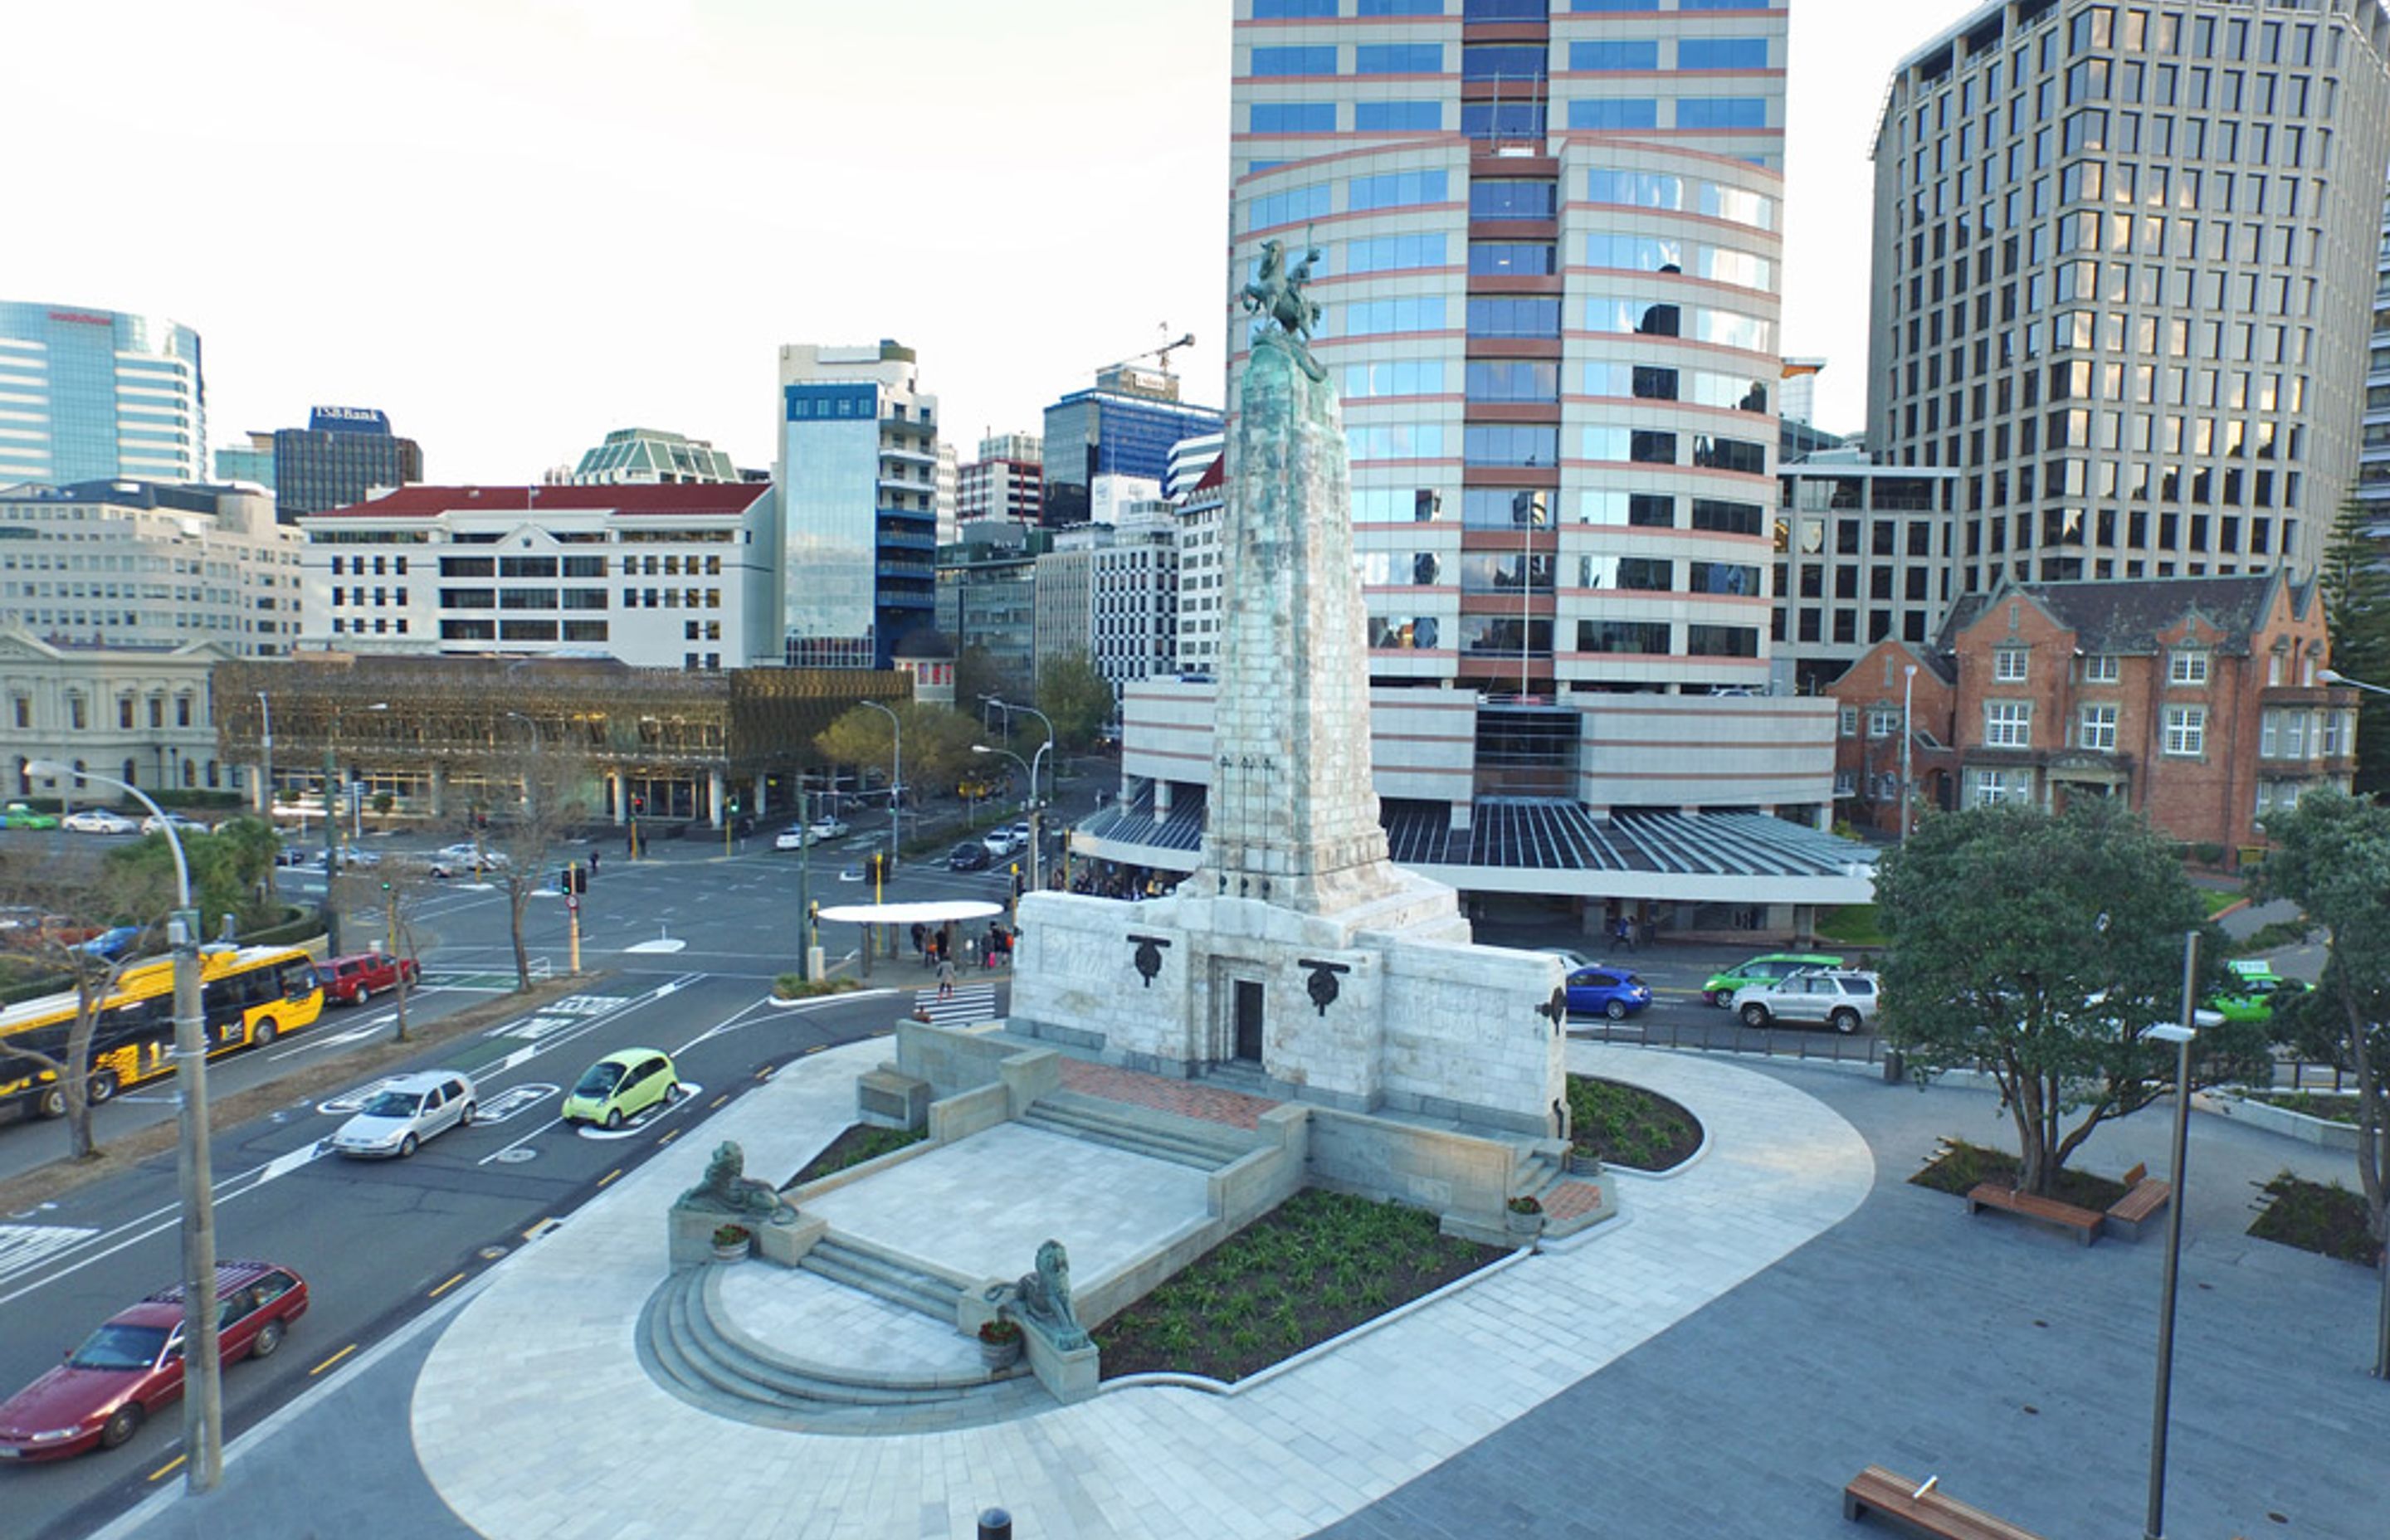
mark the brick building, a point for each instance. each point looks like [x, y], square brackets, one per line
[2199, 701]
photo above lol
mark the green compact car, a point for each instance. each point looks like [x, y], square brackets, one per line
[17, 816]
[1764, 969]
[2256, 989]
[621, 1087]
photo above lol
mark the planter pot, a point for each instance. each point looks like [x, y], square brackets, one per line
[1000, 1355]
[1524, 1226]
[737, 1251]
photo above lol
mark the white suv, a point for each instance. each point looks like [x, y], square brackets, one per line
[1840, 998]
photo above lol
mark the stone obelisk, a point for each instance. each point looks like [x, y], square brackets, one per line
[1293, 815]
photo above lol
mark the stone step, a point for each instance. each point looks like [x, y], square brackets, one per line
[1139, 1130]
[712, 1366]
[857, 1266]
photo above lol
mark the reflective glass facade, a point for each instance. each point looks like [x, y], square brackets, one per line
[98, 394]
[341, 457]
[1101, 432]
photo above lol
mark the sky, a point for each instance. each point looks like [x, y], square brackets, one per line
[515, 225]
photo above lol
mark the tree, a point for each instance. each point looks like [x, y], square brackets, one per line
[978, 674]
[555, 802]
[227, 875]
[1076, 695]
[2038, 948]
[2331, 858]
[937, 742]
[395, 890]
[2357, 616]
[68, 908]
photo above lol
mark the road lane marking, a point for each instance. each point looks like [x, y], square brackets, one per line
[169, 1468]
[541, 1228]
[451, 1283]
[717, 1101]
[668, 1138]
[333, 1359]
[610, 1176]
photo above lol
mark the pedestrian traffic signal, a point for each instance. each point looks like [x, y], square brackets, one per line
[638, 805]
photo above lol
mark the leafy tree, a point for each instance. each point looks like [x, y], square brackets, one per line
[228, 870]
[2357, 616]
[978, 674]
[396, 890]
[937, 742]
[1077, 694]
[2038, 948]
[37, 949]
[2331, 858]
[555, 802]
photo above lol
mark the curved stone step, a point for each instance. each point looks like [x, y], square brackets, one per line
[857, 1266]
[705, 1361]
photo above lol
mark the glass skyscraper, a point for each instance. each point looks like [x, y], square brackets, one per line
[857, 476]
[1125, 427]
[1549, 258]
[92, 396]
[340, 458]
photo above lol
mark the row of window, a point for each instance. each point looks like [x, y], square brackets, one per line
[1510, 635]
[549, 566]
[1494, 508]
[1488, 572]
[2186, 667]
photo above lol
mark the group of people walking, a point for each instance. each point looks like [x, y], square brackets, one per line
[937, 949]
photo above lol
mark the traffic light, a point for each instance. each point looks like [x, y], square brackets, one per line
[734, 807]
[575, 879]
[638, 805]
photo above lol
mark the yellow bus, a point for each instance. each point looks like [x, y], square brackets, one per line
[249, 995]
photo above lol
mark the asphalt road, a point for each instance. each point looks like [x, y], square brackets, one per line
[684, 947]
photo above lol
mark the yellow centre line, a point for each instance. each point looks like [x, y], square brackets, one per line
[333, 1359]
[169, 1468]
[610, 1176]
[668, 1138]
[446, 1287]
[717, 1101]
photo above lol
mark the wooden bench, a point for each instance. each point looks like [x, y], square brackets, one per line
[2084, 1223]
[1922, 1509]
[2143, 1201]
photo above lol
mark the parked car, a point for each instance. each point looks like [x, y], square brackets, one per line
[351, 980]
[970, 857]
[2256, 991]
[17, 816]
[97, 820]
[1003, 842]
[1841, 998]
[1614, 992]
[133, 1366]
[182, 823]
[405, 1111]
[621, 1087]
[1765, 969]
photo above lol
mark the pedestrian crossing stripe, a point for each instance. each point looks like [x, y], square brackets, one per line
[968, 1005]
[25, 1246]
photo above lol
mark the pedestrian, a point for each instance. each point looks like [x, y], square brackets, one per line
[593, 860]
[945, 978]
[970, 949]
[921, 942]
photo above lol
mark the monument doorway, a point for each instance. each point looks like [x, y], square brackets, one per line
[1249, 1022]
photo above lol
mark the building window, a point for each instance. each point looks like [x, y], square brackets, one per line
[2186, 666]
[124, 711]
[1883, 721]
[76, 713]
[22, 709]
[2009, 664]
[2008, 724]
[2098, 729]
[1850, 721]
[182, 710]
[1993, 788]
[2100, 668]
[2186, 731]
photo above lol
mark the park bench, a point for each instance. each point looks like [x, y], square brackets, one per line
[2084, 1223]
[1922, 1509]
[2143, 1201]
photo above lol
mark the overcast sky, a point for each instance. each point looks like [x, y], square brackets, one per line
[514, 224]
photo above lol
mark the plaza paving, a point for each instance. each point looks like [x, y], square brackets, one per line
[1756, 1328]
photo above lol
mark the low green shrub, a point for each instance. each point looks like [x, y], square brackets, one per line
[788, 986]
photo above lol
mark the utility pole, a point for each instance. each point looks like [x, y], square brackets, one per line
[332, 851]
[804, 884]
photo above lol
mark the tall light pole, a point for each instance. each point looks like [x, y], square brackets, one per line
[203, 1382]
[265, 789]
[896, 789]
[1035, 808]
[1908, 737]
[2180, 1035]
[531, 803]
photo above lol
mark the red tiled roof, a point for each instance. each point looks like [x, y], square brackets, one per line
[1215, 476]
[424, 502]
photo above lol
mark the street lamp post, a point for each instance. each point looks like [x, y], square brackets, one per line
[1908, 737]
[203, 1383]
[1035, 808]
[266, 787]
[895, 791]
[2180, 1035]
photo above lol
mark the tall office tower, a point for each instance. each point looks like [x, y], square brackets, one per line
[948, 500]
[1110, 446]
[1008, 481]
[2123, 264]
[90, 395]
[1549, 266]
[344, 455]
[251, 462]
[650, 456]
[2373, 452]
[857, 474]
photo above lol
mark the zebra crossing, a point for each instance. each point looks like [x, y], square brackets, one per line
[967, 1006]
[25, 1246]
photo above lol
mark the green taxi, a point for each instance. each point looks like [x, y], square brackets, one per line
[18, 816]
[2255, 991]
[1764, 969]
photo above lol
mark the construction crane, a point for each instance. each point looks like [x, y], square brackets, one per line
[1161, 355]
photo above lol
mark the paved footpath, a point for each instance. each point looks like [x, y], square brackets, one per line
[1760, 1326]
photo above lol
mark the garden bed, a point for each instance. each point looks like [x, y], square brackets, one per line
[1960, 1165]
[1317, 1265]
[2328, 1106]
[859, 1142]
[1626, 1125]
[2327, 1219]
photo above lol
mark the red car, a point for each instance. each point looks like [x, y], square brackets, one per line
[133, 1366]
[347, 980]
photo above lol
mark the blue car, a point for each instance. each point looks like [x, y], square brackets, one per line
[1612, 992]
[114, 942]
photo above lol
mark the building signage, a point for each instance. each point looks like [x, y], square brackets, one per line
[83, 318]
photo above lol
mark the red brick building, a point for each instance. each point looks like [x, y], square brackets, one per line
[2199, 700]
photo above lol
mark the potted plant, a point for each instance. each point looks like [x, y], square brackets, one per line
[1527, 1214]
[731, 1243]
[999, 1343]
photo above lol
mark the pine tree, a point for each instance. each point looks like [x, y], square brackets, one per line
[2355, 589]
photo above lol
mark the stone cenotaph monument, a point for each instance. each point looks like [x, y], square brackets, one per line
[1296, 953]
